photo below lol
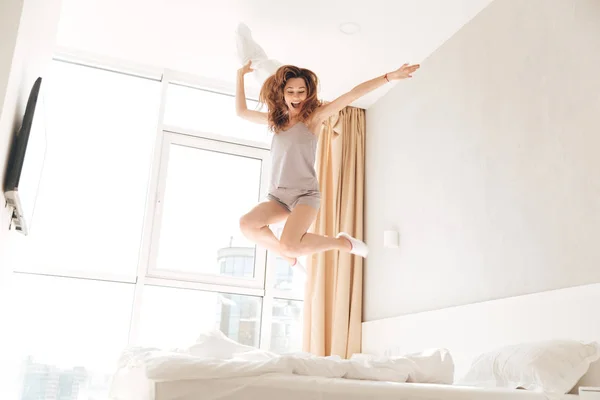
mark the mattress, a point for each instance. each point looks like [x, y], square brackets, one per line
[133, 385]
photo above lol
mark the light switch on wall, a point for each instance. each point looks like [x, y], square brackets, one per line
[391, 239]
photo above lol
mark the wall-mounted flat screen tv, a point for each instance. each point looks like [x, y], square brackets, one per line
[26, 161]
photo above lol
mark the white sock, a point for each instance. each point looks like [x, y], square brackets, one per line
[358, 247]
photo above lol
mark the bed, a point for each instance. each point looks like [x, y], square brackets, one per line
[419, 356]
[277, 387]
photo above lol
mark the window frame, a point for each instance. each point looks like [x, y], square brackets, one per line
[202, 143]
[262, 285]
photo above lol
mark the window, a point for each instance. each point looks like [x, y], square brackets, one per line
[286, 326]
[204, 188]
[173, 317]
[186, 106]
[135, 238]
[287, 279]
[101, 128]
[69, 341]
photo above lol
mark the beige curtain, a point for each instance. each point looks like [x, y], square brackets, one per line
[333, 297]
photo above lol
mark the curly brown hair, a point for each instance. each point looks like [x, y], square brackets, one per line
[271, 94]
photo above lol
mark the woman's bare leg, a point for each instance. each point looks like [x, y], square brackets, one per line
[296, 242]
[255, 226]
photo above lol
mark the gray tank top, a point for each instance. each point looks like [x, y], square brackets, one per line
[293, 155]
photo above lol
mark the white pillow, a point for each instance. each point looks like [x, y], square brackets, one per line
[249, 50]
[553, 366]
[214, 344]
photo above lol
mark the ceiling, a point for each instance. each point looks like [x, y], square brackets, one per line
[199, 36]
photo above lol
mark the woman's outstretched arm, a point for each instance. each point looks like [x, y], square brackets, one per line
[329, 109]
[241, 108]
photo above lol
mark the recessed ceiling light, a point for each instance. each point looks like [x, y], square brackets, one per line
[349, 28]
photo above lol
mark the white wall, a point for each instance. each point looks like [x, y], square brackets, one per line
[27, 31]
[487, 163]
[10, 16]
[27, 36]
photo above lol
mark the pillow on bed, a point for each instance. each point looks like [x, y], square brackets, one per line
[553, 366]
[214, 344]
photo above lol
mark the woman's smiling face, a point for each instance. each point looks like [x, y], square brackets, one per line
[294, 94]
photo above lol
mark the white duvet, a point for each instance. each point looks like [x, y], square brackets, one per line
[215, 356]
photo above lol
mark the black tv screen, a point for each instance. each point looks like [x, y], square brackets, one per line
[26, 161]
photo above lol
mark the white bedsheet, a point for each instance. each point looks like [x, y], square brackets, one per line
[160, 365]
[217, 367]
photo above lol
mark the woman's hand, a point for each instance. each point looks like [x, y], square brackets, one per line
[246, 68]
[403, 72]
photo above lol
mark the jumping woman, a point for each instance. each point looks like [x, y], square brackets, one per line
[295, 116]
